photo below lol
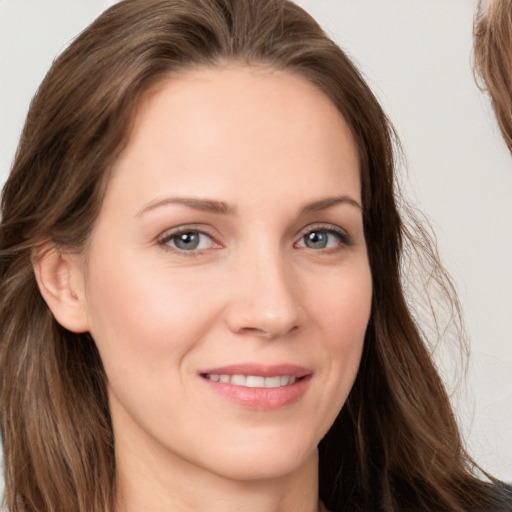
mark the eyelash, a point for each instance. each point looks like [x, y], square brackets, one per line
[345, 240]
[169, 236]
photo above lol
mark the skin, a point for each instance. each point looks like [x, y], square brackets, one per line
[266, 144]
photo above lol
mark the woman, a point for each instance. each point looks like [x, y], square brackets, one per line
[201, 305]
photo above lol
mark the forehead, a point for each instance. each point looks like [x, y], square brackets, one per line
[214, 126]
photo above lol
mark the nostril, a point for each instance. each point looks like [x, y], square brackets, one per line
[268, 332]
[270, 310]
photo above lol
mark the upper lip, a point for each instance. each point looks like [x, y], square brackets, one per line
[263, 370]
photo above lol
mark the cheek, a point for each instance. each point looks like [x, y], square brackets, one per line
[143, 319]
[344, 304]
[343, 311]
[147, 324]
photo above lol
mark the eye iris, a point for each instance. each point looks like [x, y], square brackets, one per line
[187, 241]
[316, 240]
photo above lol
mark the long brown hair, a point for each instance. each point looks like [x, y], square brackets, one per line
[492, 35]
[395, 445]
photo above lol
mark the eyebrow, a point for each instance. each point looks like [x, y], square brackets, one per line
[206, 205]
[223, 208]
[328, 202]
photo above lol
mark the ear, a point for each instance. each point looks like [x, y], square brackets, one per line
[61, 283]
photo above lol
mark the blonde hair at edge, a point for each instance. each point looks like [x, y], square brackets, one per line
[395, 444]
[493, 59]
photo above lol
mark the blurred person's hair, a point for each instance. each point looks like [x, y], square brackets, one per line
[493, 59]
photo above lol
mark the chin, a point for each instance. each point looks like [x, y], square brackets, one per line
[257, 460]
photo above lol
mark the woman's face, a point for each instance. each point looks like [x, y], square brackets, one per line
[227, 283]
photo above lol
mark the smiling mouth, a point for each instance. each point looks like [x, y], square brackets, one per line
[252, 381]
[259, 387]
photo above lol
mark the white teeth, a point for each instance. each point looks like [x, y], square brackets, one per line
[253, 381]
[272, 382]
[238, 380]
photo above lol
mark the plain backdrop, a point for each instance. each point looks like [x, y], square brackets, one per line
[416, 55]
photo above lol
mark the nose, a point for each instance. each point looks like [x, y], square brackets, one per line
[264, 297]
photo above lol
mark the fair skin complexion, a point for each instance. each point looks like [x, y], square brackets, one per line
[230, 242]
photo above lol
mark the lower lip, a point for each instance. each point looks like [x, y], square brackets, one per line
[261, 399]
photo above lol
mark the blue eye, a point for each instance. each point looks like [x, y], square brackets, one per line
[188, 240]
[323, 239]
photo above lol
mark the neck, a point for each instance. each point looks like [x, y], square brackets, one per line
[147, 481]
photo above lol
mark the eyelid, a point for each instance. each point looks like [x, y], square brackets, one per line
[346, 239]
[163, 238]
